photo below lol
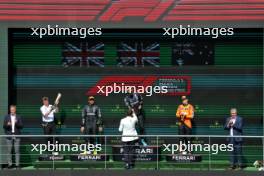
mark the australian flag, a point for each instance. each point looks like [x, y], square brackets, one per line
[83, 54]
[192, 53]
[138, 54]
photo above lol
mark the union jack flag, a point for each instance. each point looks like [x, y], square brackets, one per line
[139, 54]
[83, 54]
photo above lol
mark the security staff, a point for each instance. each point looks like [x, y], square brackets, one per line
[129, 137]
[135, 101]
[48, 118]
[91, 120]
[185, 113]
[12, 126]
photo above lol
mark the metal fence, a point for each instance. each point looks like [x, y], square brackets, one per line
[163, 152]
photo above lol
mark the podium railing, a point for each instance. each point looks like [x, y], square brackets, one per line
[163, 152]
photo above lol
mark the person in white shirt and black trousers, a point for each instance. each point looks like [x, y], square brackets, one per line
[129, 137]
[12, 126]
[48, 116]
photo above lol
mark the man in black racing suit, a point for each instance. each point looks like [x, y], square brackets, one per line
[91, 120]
[135, 101]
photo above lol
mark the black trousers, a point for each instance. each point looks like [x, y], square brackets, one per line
[184, 130]
[49, 128]
[141, 123]
[91, 129]
[129, 152]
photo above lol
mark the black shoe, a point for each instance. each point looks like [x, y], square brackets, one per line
[132, 166]
[9, 167]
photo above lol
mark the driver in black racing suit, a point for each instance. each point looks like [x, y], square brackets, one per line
[135, 101]
[91, 120]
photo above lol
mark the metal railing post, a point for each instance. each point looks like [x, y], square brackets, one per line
[105, 154]
[209, 153]
[157, 153]
[53, 161]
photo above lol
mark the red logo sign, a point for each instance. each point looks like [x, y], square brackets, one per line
[118, 10]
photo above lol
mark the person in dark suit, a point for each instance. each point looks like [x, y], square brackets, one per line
[12, 126]
[234, 125]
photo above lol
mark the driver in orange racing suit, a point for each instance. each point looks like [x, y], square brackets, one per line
[184, 114]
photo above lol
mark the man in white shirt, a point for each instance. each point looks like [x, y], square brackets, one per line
[129, 137]
[12, 126]
[47, 112]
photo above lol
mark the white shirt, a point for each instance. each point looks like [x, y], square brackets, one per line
[13, 122]
[128, 128]
[45, 109]
[231, 130]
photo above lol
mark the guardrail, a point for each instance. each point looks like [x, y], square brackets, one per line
[205, 152]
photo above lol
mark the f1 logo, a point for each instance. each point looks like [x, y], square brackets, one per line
[151, 10]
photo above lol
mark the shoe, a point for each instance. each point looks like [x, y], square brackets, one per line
[127, 166]
[55, 153]
[84, 153]
[144, 143]
[17, 167]
[132, 166]
[239, 168]
[9, 167]
[231, 168]
[184, 153]
[95, 152]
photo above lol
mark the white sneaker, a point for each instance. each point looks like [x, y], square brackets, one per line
[55, 153]
[86, 153]
[184, 152]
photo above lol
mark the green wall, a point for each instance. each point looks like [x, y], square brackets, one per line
[225, 54]
[239, 54]
[37, 54]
